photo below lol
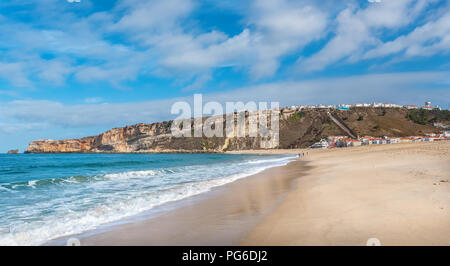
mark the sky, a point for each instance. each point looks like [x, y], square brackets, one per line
[74, 68]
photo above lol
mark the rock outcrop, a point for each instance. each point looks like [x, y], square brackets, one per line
[13, 152]
[298, 128]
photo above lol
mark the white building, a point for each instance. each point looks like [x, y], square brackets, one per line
[377, 104]
[394, 140]
[428, 106]
[410, 106]
[323, 144]
[352, 142]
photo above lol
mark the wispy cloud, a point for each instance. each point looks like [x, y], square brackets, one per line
[142, 38]
[410, 87]
[360, 29]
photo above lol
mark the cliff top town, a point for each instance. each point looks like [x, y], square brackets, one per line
[427, 106]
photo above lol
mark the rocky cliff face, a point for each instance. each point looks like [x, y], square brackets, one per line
[298, 128]
[141, 137]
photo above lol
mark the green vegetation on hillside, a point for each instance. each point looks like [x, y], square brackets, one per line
[297, 116]
[424, 117]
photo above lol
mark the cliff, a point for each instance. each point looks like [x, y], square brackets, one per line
[298, 128]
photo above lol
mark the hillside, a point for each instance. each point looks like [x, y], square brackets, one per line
[297, 129]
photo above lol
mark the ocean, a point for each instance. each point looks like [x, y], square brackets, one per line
[46, 196]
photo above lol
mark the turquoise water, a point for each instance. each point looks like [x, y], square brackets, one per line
[45, 196]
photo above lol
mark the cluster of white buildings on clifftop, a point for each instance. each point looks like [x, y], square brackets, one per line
[427, 106]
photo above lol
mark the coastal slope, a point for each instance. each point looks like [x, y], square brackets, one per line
[298, 129]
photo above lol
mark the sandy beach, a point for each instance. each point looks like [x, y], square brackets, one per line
[399, 194]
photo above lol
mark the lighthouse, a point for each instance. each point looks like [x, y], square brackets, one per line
[428, 106]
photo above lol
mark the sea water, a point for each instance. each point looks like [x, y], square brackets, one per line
[46, 196]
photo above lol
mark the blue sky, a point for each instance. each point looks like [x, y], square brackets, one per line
[75, 68]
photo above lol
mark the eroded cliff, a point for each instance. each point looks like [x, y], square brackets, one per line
[298, 128]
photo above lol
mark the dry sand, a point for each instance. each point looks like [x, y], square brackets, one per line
[398, 193]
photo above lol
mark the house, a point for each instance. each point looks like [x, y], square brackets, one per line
[352, 142]
[377, 105]
[410, 106]
[393, 140]
[428, 106]
[416, 138]
[321, 106]
[322, 144]
[379, 141]
[366, 140]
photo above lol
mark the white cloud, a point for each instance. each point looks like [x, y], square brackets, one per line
[13, 128]
[426, 40]
[281, 28]
[152, 15]
[360, 29]
[352, 35]
[14, 72]
[161, 38]
[55, 71]
[402, 88]
[272, 30]
[85, 115]
[92, 100]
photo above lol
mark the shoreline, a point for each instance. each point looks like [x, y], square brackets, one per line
[397, 193]
[222, 216]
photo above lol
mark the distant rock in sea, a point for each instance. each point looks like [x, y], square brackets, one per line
[13, 152]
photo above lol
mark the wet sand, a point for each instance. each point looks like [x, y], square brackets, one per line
[398, 193]
[223, 216]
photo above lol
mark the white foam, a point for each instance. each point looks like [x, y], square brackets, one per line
[4, 188]
[132, 174]
[32, 183]
[269, 160]
[70, 220]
